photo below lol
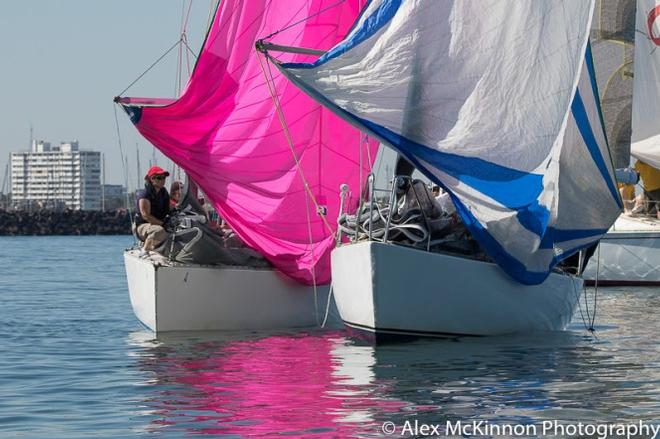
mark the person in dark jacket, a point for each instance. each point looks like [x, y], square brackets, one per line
[153, 207]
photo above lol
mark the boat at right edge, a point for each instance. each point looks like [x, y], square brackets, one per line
[629, 253]
[497, 103]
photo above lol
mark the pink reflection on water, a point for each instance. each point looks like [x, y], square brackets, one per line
[298, 386]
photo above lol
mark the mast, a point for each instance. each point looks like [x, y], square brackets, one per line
[4, 184]
[103, 182]
[127, 195]
[4, 179]
[137, 154]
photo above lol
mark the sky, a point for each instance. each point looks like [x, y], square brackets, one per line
[63, 61]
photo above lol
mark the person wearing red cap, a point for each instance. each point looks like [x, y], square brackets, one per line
[153, 206]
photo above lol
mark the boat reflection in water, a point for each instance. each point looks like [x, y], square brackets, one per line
[294, 385]
[326, 385]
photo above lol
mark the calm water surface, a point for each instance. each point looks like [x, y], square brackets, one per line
[76, 363]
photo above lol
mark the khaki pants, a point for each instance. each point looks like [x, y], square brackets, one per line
[152, 235]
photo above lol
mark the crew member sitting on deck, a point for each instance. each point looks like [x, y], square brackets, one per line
[651, 183]
[153, 206]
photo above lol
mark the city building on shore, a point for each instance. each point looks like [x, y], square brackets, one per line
[56, 177]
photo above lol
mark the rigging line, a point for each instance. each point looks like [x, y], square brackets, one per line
[577, 296]
[313, 265]
[184, 22]
[190, 51]
[366, 142]
[287, 134]
[183, 14]
[379, 159]
[184, 42]
[179, 69]
[303, 20]
[285, 127]
[150, 67]
[211, 10]
[370, 163]
[179, 58]
[327, 306]
[123, 163]
[184, 38]
[361, 189]
[121, 149]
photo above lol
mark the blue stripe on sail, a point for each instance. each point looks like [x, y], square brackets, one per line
[534, 218]
[594, 87]
[379, 18]
[512, 266]
[516, 190]
[582, 121]
[492, 180]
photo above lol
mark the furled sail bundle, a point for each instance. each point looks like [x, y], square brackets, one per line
[645, 143]
[225, 132]
[496, 101]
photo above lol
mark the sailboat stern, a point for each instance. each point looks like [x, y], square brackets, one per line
[189, 297]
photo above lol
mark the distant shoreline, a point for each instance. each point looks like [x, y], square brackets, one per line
[68, 222]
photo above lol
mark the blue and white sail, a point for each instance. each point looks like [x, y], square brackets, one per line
[496, 101]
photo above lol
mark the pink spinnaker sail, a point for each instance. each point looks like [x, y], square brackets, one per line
[225, 133]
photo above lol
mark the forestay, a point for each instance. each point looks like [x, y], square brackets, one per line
[493, 100]
[645, 143]
[224, 131]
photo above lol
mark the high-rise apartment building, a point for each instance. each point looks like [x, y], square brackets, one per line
[60, 176]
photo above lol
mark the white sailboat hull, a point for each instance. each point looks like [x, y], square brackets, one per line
[390, 289]
[202, 298]
[629, 254]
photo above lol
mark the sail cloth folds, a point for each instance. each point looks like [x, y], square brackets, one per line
[225, 133]
[645, 142]
[494, 100]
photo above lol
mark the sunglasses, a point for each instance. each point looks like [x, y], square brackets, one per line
[159, 177]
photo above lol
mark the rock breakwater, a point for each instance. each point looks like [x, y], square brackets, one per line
[67, 222]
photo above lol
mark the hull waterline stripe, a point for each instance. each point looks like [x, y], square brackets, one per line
[407, 332]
